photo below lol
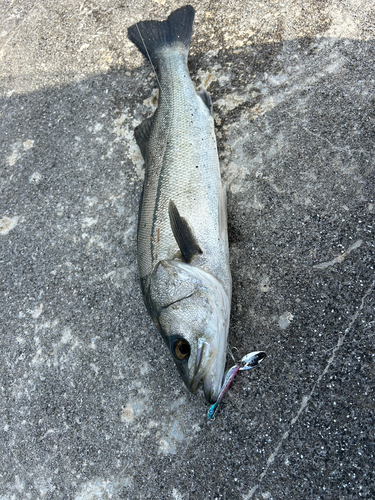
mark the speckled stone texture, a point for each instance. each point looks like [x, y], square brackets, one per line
[92, 407]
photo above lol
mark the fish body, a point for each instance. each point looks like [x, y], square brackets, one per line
[183, 256]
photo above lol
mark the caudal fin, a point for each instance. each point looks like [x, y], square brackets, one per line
[150, 36]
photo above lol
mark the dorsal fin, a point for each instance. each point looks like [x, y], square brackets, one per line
[142, 134]
[206, 98]
[183, 234]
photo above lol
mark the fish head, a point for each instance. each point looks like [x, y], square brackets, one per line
[192, 311]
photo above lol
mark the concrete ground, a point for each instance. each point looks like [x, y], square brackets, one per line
[92, 407]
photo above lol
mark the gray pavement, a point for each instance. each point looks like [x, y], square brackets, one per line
[92, 407]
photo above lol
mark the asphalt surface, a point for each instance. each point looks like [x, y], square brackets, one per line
[92, 407]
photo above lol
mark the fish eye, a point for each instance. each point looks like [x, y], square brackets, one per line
[181, 349]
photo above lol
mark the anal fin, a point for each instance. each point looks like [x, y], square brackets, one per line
[183, 234]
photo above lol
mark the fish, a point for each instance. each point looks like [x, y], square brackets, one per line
[182, 237]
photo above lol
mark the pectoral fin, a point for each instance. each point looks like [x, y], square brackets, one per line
[183, 234]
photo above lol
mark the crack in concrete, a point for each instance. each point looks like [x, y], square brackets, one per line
[340, 257]
[306, 399]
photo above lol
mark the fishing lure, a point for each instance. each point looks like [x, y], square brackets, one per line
[248, 362]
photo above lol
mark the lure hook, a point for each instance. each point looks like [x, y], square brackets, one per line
[248, 362]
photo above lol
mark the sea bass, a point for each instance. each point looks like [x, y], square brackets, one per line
[183, 256]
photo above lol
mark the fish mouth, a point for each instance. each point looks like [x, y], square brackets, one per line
[209, 371]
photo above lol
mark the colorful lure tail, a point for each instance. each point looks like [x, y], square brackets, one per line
[248, 362]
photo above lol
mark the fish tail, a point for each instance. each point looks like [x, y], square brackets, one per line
[151, 36]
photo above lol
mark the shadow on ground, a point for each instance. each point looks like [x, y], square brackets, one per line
[92, 406]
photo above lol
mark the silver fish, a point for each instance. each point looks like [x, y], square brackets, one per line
[183, 256]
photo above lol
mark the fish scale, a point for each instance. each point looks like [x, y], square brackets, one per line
[183, 256]
[182, 138]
